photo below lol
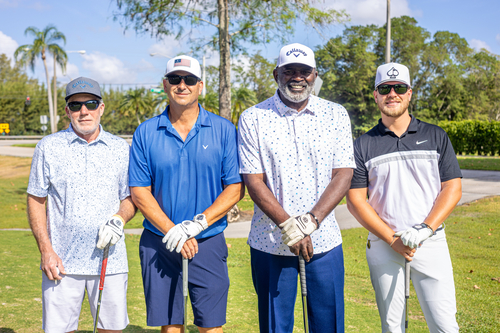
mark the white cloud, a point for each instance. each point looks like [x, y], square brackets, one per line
[364, 12]
[107, 69]
[498, 38]
[8, 45]
[479, 44]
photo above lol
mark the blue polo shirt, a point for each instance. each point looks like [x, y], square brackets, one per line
[185, 176]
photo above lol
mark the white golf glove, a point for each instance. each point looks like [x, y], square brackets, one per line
[296, 228]
[178, 235]
[416, 235]
[110, 232]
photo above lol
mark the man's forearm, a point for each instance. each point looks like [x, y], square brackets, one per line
[229, 197]
[149, 207]
[37, 218]
[447, 199]
[127, 209]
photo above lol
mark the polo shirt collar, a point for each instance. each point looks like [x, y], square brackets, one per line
[72, 136]
[413, 127]
[283, 109]
[203, 119]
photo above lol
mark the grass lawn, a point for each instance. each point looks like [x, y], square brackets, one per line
[27, 145]
[479, 163]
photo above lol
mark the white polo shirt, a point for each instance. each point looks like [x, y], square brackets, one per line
[297, 152]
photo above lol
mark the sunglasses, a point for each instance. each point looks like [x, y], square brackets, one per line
[385, 89]
[189, 80]
[90, 105]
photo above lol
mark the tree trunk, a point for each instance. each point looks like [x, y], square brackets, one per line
[49, 93]
[225, 65]
[55, 94]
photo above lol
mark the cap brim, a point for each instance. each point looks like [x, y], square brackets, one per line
[67, 97]
[395, 80]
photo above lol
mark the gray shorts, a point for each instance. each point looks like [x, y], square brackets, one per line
[62, 302]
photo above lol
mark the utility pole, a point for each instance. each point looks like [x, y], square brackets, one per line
[388, 37]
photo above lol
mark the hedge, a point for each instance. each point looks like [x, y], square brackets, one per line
[473, 136]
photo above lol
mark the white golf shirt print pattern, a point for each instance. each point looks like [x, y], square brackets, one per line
[84, 183]
[297, 152]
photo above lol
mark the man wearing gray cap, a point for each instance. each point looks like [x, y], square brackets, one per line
[410, 174]
[296, 159]
[81, 175]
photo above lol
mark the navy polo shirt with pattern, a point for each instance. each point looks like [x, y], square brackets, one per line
[185, 176]
[404, 174]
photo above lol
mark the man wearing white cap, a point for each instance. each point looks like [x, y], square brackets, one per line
[410, 173]
[296, 158]
[184, 178]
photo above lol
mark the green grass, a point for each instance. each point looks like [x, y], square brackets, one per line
[479, 163]
[473, 237]
[28, 145]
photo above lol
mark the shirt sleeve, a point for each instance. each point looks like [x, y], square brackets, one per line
[230, 163]
[248, 148]
[342, 146]
[139, 172]
[448, 163]
[39, 182]
[360, 174]
[124, 190]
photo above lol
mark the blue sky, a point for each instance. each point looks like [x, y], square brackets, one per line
[123, 58]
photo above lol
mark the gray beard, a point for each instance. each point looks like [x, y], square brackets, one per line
[294, 97]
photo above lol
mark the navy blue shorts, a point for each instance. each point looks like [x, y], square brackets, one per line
[275, 280]
[162, 278]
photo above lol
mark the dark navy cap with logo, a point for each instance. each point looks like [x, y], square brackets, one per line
[83, 85]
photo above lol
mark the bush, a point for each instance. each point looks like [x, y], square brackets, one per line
[473, 136]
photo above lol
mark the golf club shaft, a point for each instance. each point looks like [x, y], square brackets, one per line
[101, 283]
[185, 289]
[407, 291]
[303, 288]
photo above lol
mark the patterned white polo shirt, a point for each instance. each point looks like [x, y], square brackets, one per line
[84, 184]
[297, 152]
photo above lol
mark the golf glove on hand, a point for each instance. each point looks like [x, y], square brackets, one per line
[180, 233]
[110, 232]
[296, 228]
[416, 235]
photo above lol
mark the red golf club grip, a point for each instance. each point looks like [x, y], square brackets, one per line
[103, 267]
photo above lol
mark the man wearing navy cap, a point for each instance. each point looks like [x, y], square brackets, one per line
[410, 173]
[296, 159]
[81, 174]
[184, 178]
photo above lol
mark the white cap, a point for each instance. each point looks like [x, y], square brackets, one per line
[392, 72]
[296, 54]
[184, 63]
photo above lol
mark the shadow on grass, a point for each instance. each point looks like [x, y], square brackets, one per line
[6, 330]
[129, 329]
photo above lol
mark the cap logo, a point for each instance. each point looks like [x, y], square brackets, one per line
[182, 62]
[296, 52]
[82, 84]
[392, 73]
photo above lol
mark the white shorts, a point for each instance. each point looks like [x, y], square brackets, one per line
[62, 302]
[432, 277]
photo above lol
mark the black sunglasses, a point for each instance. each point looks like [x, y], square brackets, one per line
[90, 105]
[189, 80]
[385, 89]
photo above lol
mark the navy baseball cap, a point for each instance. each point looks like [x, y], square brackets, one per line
[83, 85]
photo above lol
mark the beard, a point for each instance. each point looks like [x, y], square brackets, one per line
[394, 112]
[294, 96]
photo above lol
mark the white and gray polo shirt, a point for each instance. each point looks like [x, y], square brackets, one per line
[404, 174]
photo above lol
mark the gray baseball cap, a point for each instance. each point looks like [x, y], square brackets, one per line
[83, 85]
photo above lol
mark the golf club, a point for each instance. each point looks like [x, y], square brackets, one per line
[101, 283]
[185, 289]
[407, 291]
[303, 288]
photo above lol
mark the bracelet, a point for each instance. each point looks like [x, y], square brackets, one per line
[315, 218]
[428, 227]
[394, 238]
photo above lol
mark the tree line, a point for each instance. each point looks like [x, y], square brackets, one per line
[450, 80]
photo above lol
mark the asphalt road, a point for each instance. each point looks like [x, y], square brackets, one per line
[475, 185]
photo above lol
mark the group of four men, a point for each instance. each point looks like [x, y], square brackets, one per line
[187, 168]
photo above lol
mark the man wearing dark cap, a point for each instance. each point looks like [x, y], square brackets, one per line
[81, 175]
[410, 174]
[296, 158]
[184, 178]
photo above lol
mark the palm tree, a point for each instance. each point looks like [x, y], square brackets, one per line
[27, 54]
[141, 103]
[61, 58]
[241, 99]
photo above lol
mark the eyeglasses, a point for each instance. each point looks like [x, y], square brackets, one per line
[90, 105]
[385, 89]
[189, 80]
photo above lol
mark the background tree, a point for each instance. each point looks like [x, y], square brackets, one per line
[27, 54]
[140, 103]
[258, 76]
[234, 23]
[61, 59]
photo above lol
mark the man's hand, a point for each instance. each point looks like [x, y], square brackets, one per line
[52, 265]
[296, 228]
[416, 235]
[110, 232]
[180, 233]
[304, 247]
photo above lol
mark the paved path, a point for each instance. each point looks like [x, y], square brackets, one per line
[476, 184]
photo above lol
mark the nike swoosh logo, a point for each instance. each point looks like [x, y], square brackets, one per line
[420, 142]
[205, 147]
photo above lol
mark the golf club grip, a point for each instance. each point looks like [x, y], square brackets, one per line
[184, 277]
[407, 278]
[302, 270]
[103, 266]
